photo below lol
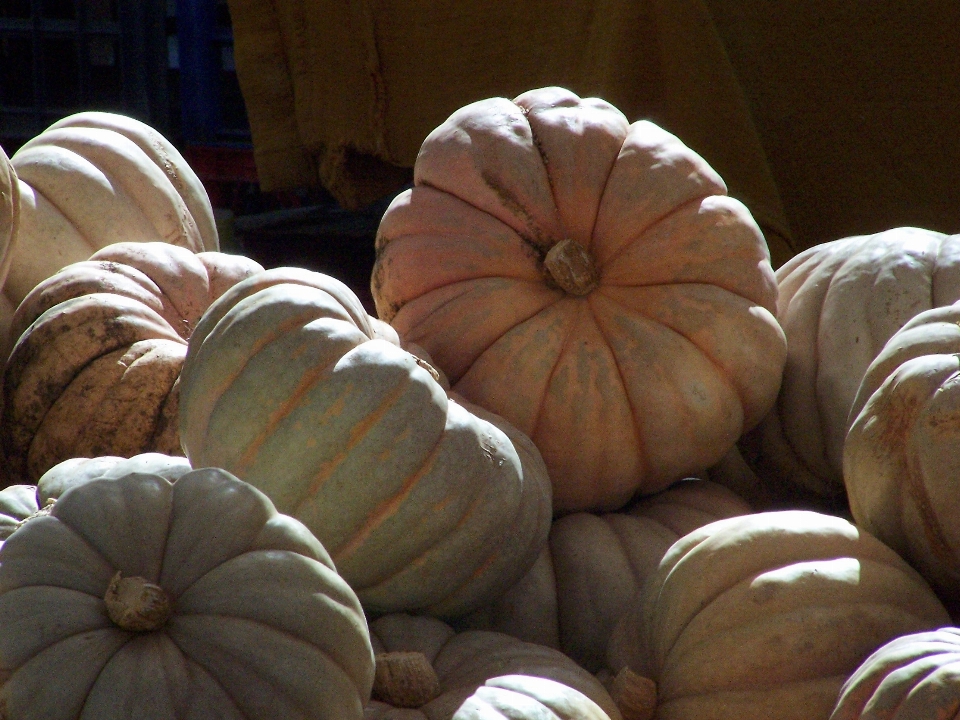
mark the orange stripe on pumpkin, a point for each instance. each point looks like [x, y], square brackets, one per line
[385, 509]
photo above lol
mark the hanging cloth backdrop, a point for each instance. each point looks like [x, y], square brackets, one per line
[342, 94]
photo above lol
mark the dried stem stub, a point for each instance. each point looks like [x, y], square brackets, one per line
[405, 679]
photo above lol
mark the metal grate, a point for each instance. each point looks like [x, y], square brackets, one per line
[63, 56]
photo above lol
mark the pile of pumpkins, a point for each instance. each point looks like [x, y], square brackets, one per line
[594, 459]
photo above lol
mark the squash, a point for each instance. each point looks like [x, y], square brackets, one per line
[899, 464]
[425, 502]
[600, 268]
[96, 178]
[101, 344]
[593, 566]
[840, 302]
[135, 596]
[913, 676]
[766, 615]
[17, 503]
[9, 214]
[427, 671]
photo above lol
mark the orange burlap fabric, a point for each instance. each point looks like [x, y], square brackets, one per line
[343, 93]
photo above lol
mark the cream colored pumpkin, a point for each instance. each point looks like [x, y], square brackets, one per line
[135, 596]
[594, 565]
[765, 616]
[9, 214]
[463, 664]
[912, 677]
[840, 302]
[900, 463]
[426, 502]
[96, 178]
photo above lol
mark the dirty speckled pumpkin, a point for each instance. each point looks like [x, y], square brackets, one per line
[101, 343]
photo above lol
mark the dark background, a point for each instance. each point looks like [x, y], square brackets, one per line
[169, 63]
[857, 106]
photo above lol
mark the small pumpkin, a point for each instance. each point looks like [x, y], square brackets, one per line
[594, 565]
[911, 677]
[766, 616]
[840, 302]
[426, 502]
[899, 464]
[427, 671]
[101, 344]
[590, 281]
[193, 599]
[96, 178]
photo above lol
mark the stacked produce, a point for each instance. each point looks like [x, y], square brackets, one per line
[234, 493]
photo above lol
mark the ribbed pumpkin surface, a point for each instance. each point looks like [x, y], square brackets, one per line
[9, 214]
[900, 461]
[599, 267]
[253, 620]
[765, 616]
[100, 348]
[97, 178]
[840, 302]
[911, 677]
[595, 563]
[464, 662]
[424, 501]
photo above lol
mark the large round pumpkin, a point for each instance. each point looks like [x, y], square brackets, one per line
[589, 280]
[912, 677]
[101, 343]
[441, 674]
[594, 564]
[97, 178]
[424, 501]
[135, 596]
[840, 302]
[764, 616]
[900, 464]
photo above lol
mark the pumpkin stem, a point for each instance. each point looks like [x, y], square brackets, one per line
[405, 679]
[135, 604]
[635, 695]
[571, 267]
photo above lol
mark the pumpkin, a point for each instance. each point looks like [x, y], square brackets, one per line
[593, 566]
[840, 302]
[96, 178]
[17, 503]
[424, 501]
[590, 281]
[427, 671]
[135, 596]
[767, 615]
[520, 697]
[914, 676]
[101, 344]
[899, 465]
[9, 214]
